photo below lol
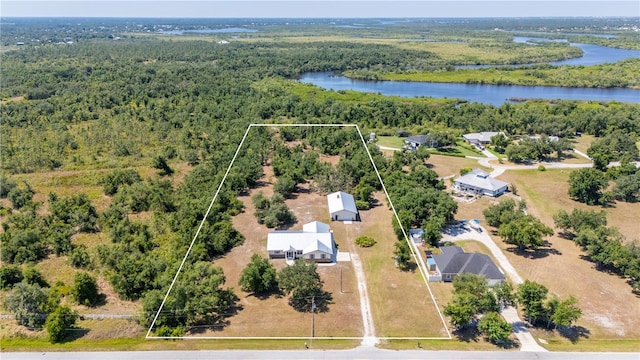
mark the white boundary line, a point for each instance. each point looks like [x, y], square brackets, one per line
[215, 196]
[416, 257]
[206, 215]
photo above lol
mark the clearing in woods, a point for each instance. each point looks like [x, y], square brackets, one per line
[387, 287]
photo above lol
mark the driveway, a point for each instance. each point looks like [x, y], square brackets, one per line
[457, 233]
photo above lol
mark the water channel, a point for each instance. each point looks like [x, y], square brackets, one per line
[493, 94]
[488, 94]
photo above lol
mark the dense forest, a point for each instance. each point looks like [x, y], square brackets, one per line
[111, 106]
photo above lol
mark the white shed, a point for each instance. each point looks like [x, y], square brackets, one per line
[342, 207]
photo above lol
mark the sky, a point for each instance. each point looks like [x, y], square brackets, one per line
[318, 8]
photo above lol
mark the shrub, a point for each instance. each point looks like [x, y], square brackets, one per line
[541, 168]
[362, 205]
[85, 289]
[464, 171]
[33, 276]
[59, 323]
[9, 275]
[79, 257]
[365, 241]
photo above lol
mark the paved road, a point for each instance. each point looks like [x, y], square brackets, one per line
[358, 353]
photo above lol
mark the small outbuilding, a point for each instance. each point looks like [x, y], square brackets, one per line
[342, 206]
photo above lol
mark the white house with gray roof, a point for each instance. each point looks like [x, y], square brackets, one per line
[315, 242]
[481, 138]
[479, 182]
[342, 206]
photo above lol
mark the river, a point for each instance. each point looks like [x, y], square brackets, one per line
[494, 94]
[488, 94]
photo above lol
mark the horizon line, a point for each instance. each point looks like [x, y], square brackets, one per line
[327, 18]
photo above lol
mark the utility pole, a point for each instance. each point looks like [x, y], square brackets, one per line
[313, 312]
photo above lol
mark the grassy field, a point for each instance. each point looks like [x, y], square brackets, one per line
[449, 165]
[310, 91]
[390, 141]
[400, 301]
[610, 309]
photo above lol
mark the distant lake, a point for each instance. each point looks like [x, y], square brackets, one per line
[208, 31]
[488, 94]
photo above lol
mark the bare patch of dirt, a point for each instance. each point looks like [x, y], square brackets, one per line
[333, 160]
[264, 316]
[15, 98]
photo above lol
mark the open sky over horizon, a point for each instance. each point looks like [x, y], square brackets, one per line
[317, 8]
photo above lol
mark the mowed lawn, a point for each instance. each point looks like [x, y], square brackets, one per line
[450, 165]
[400, 301]
[610, 309]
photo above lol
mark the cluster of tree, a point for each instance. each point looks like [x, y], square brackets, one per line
[13, 274]
[301, 281]
[588, 185]
[124, 124]
[604, 246]
[418, 200]
[473, 299]
[35, 304]
[614, 146]
[515, 226]
[272, 212]
[476, 304]
[538, 149]
[20, 196]
[539, 309]
[30, 237]
[198, 298]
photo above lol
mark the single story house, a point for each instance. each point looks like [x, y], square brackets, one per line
[453, 261]
[415, 141]
[479, 182]
[342, 206]
[481, 138]
[315, 242]
[551, 138]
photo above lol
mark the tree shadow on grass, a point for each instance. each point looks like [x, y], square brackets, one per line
[507, 344]
[574, 333]
[467, 334]
[102, 300]
[219, 322]
[266, 294]
[322, 300]
[539, 253]
[74, 334]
